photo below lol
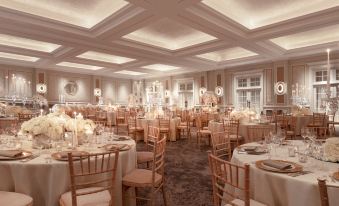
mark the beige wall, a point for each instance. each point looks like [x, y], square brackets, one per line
[113, 89]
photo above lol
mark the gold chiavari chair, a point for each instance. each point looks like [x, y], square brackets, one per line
[152, 179]
[164, 126]
[133, 127]
[184, 128]
[13, 198]
[146, 156]
[201, 132]
[232, 125]
[331, 122]
[258, 132]
[318, 125]
[291, 127]
[231, 183]
[221, 145]
[323, 191]
[100, 171]
[121, 120]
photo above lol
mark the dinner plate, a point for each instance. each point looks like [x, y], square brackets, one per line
[63, 156]
[24, 154]
[120, 147]
[294, 167]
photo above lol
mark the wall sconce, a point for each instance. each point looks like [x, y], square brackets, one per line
[280, 88]
[202, 91]
[97, 92]
[41, 88]
[219, 91]
[167, 93]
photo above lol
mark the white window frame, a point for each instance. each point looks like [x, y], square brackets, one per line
[248, 76]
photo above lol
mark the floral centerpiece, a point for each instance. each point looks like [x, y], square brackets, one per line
[298, 110]
[44, 128]
[80, 127]
[331, 149]
[243, 116]
[39, 100]
[209, 98]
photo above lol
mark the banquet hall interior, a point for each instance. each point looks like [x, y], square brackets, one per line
[169, 102]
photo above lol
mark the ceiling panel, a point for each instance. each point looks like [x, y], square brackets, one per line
[169, 34]
[98, 56]
[80, 66]
[254, 14]
[227, 54]
[18, 57]
[308, 38]
[84, 13]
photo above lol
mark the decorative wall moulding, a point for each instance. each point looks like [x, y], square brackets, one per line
[280, 88]
[71, 88]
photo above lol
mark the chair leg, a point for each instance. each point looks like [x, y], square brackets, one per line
[164, 195]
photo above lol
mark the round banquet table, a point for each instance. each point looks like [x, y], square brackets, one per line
[214, 126]
[46, 182]
[283, 190]
[174, 122]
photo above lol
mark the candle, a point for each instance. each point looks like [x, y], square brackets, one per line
[328, 67]
[41, 112]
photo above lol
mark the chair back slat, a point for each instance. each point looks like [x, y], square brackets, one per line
[323, 187]
[229, 181]
[258, 132]
[103, 177]
[221, 145]
[158, 158]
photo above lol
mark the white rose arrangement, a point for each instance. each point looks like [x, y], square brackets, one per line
[49, 125]
[243, 116]
[82, 125]
[331, 149]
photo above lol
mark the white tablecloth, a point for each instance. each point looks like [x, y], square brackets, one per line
[283, 190]
[45, 182]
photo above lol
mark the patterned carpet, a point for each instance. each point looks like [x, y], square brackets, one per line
[188, 182]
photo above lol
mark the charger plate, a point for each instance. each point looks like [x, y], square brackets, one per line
[62, 156]
[294, 166]
[24, 154]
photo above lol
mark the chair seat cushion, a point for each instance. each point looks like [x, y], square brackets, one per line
[96, 199]
[15, 199]
[143, 157]
[290, 132]
[140, 178]
[239, 202]
[205, 128]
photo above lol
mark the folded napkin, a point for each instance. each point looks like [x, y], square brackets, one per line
[116, 146]
[74, 153]
[10, 153]
[277, 164]
[249, 148]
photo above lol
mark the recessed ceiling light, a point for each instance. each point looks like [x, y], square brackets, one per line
[20, 42]
[161, 67]
[227, 54]
[81, 66]
[105, 57]
[130, 72]
[18, 57]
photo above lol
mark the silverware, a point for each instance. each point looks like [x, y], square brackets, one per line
[29, 158]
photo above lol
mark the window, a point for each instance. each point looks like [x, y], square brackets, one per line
[248, 92]
[182, 87]
[255, 81]
[337, 74]
[189, 86]
[320, 76]
[242, 82]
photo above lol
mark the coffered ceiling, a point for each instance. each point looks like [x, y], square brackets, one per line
[152, 38]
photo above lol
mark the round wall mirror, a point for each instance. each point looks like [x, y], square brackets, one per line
[71, 88]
